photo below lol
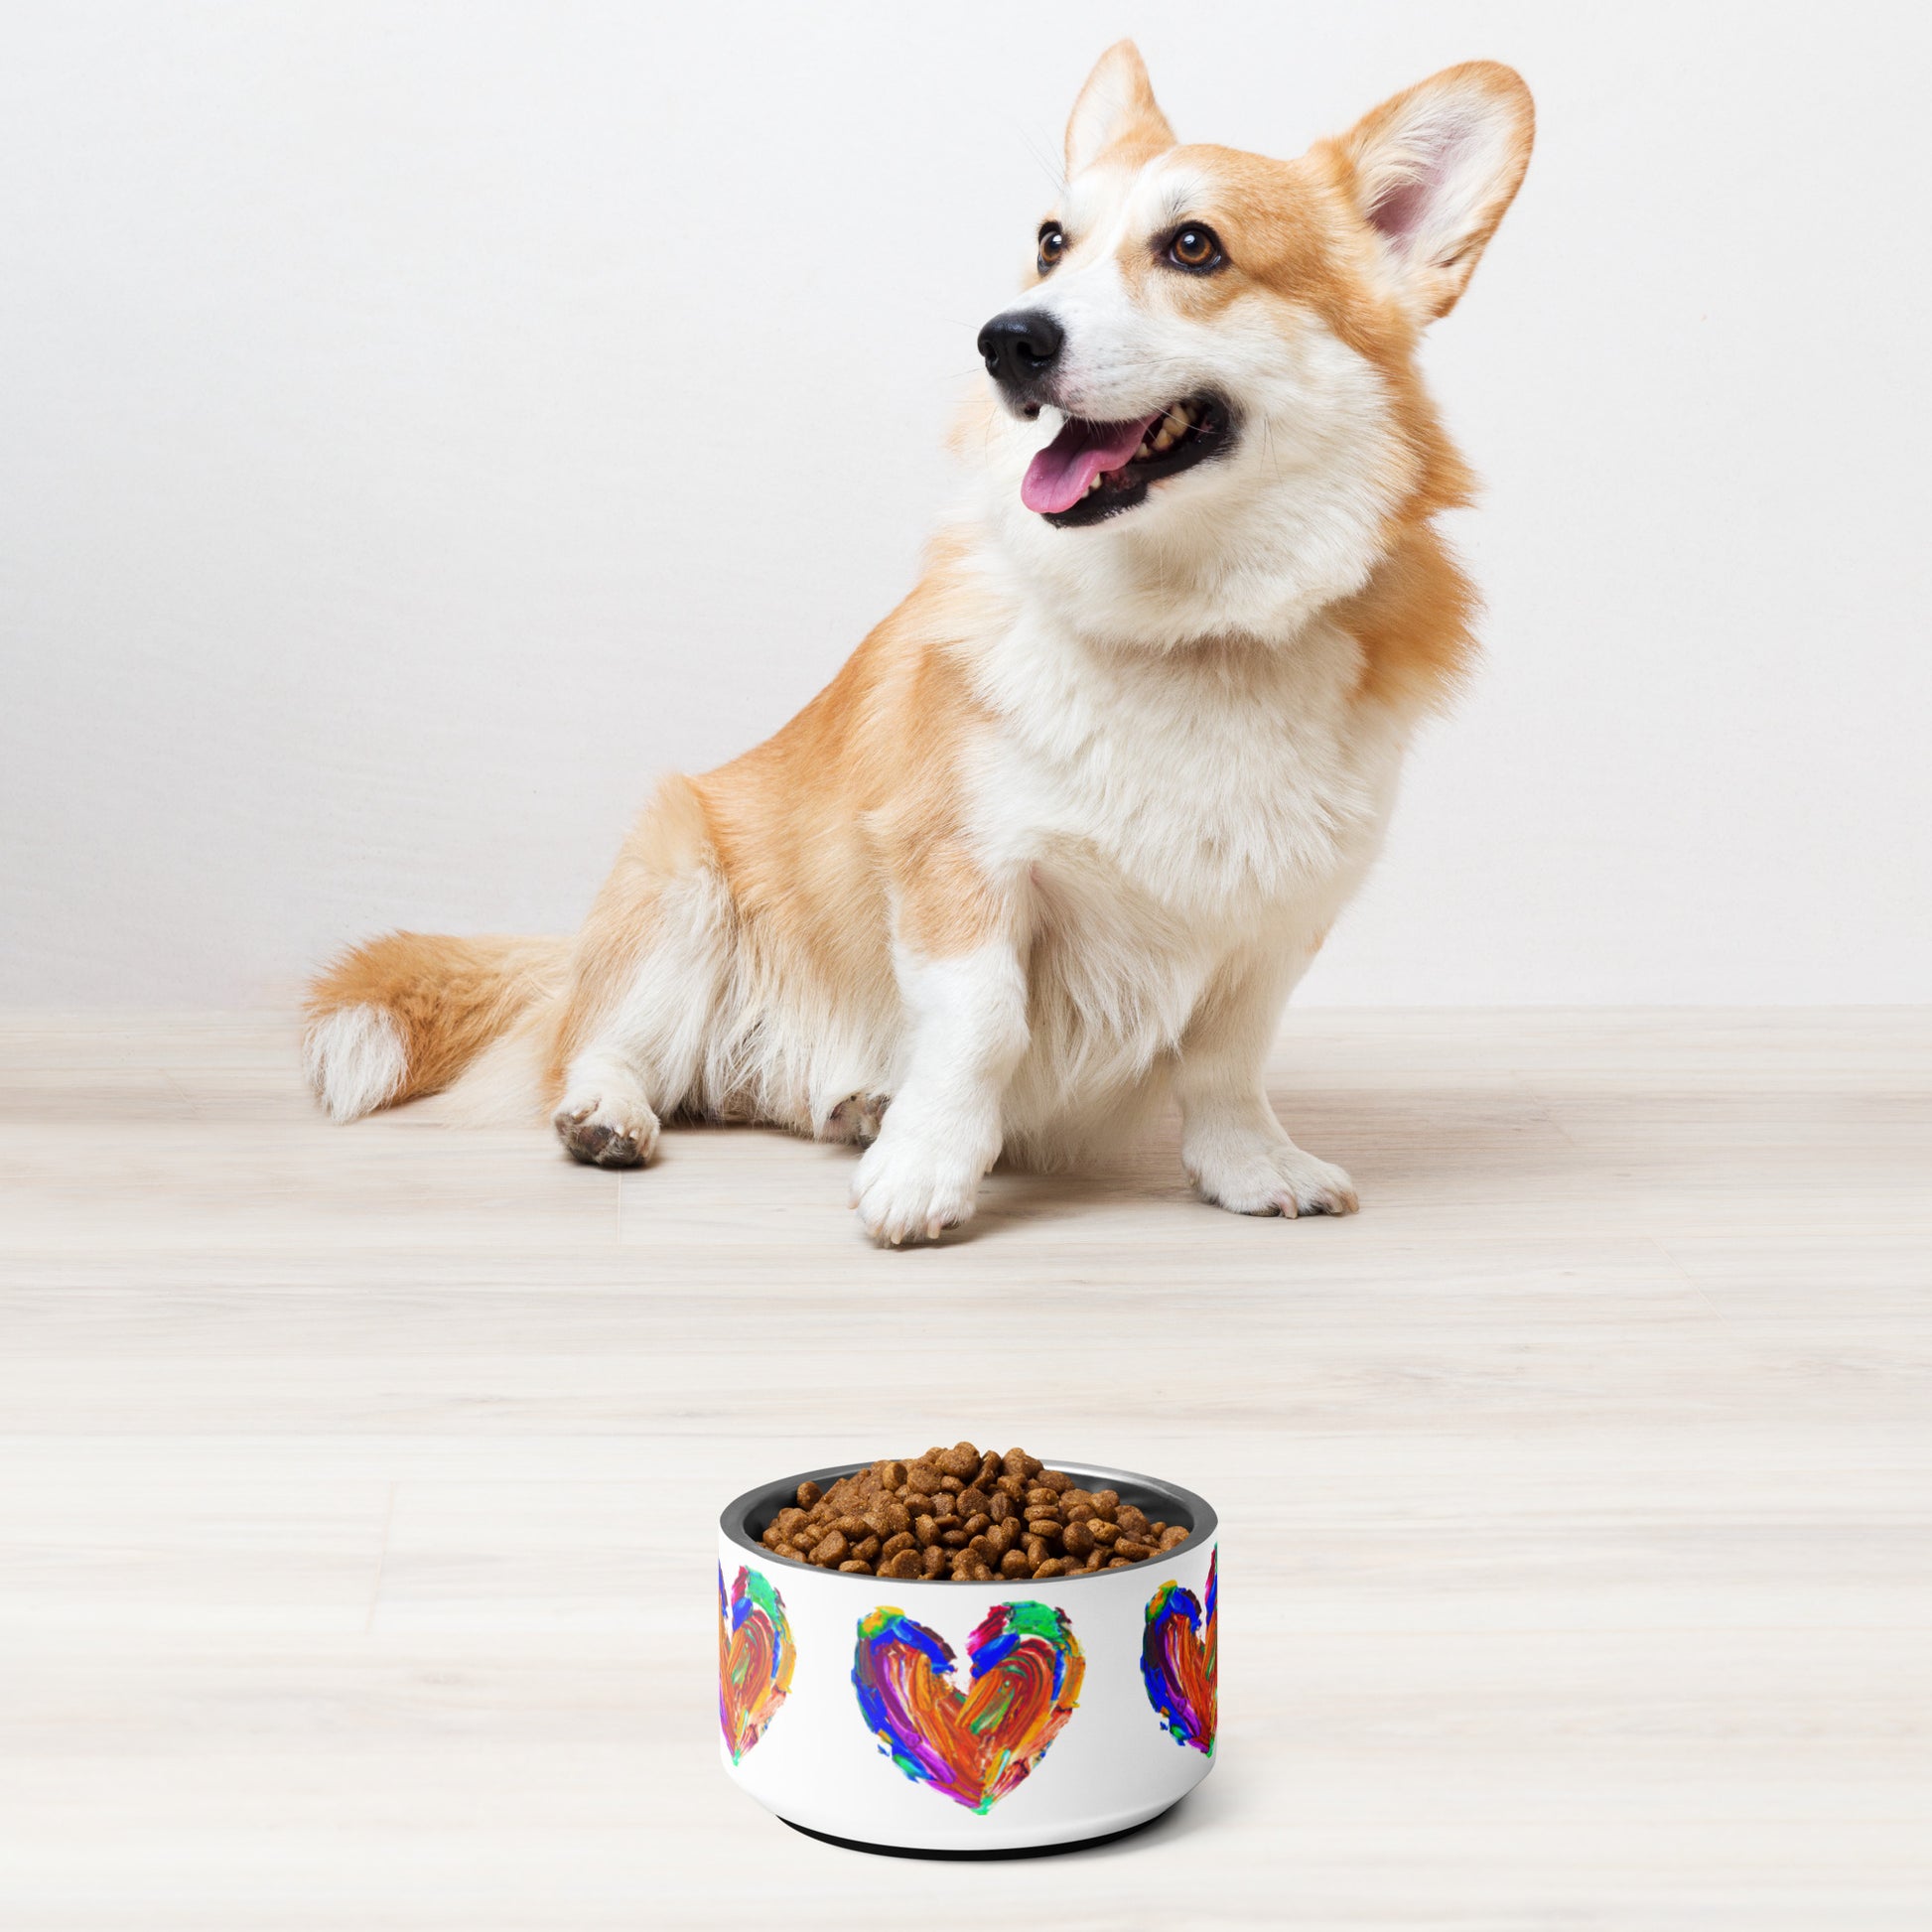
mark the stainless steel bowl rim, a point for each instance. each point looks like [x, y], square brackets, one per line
[770, 1497]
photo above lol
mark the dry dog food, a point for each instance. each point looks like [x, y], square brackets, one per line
[965, 1515]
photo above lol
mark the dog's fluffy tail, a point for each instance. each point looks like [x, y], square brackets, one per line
[405, 1014]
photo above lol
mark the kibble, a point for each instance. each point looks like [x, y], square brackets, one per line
[967, 1515]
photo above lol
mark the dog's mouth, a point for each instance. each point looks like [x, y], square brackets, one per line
[1093, 470]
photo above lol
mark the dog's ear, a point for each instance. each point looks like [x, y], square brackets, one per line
[1433, 170]
[1116, 110]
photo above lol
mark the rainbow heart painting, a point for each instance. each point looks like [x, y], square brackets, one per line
[1177, 1661]
[978, 1742]
[755, 1656]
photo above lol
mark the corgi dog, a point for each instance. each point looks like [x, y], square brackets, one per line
[1058, 841]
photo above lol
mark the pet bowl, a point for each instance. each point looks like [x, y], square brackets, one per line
[944, 1720]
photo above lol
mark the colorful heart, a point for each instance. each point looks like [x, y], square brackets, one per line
[978, 1743]
[1179, 1668]
[755, 1656]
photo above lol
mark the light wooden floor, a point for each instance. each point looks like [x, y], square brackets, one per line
[334, 1588]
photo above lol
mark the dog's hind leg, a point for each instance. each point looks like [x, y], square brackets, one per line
[646, 979]
[605, 1119]
[1237, 1151]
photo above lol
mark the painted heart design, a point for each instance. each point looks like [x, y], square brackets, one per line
[1177, 1660]
[756, 1655]
[974, 1745]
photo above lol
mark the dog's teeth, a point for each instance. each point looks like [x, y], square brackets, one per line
[1144, 451]
[1164, 436]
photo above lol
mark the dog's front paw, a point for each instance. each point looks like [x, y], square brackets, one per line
[907, 1188]
[607, 1129]
[1259, 1176]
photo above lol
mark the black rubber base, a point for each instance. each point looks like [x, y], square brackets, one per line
[1014, 1852]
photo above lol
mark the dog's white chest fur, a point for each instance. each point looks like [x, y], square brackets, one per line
[1175, 811]
[1225, 781]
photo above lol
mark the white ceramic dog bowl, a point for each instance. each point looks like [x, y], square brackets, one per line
[946, 1720]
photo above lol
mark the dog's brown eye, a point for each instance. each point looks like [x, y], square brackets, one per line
[1052, 245]
[1194, 248]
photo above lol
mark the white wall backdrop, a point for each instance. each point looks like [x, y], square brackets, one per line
[421, 424]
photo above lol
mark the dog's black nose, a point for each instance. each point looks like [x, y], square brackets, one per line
[1020, 346]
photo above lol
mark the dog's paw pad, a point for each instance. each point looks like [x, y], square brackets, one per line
[854, 1120]
[607, 1136]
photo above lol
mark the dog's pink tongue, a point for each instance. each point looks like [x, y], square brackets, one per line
[1058, 478]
